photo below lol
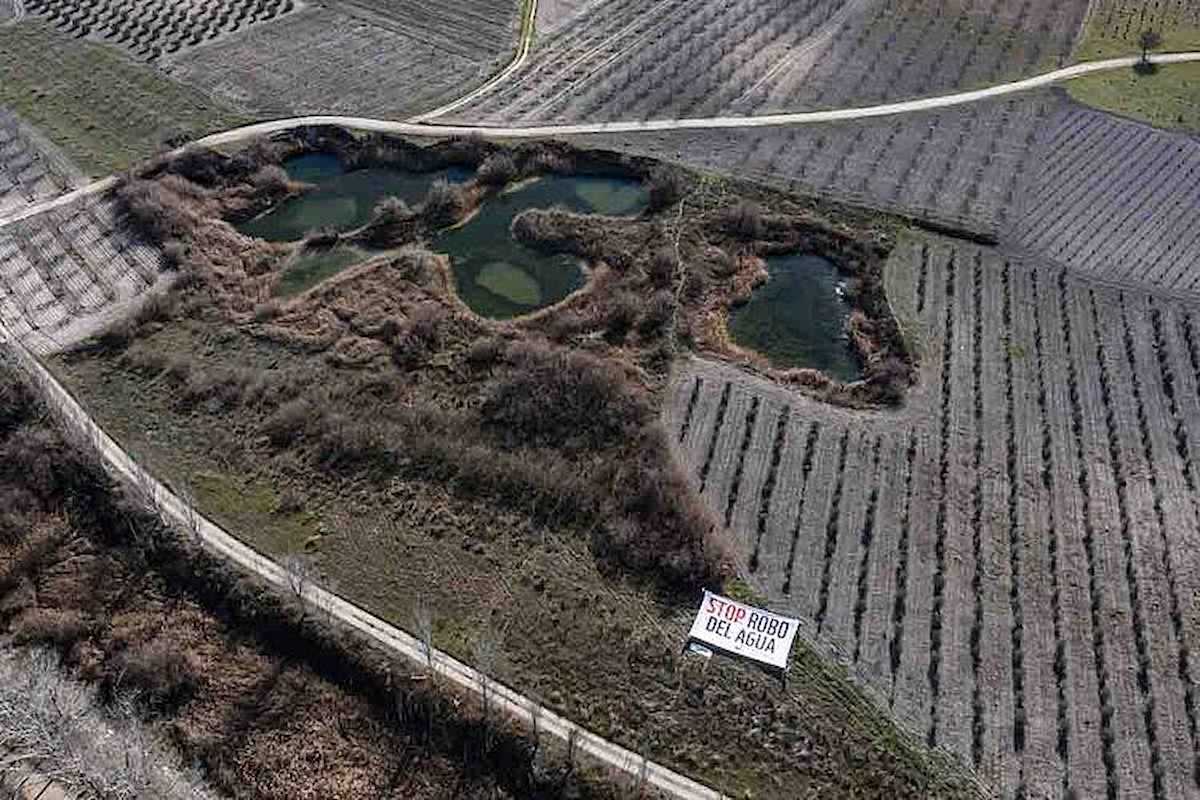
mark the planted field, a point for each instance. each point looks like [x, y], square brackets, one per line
[31, 169]
[64, 273]
[1113, 26]
[102, 109]
[1010, 563]
[478, 30]
[150, 29]
[957, 166]
[628, 60]
[329, 62]
[1135, 219]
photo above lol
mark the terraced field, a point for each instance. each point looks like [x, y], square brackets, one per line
[150, 29]
[957, 166]
[330, 62]
[479, 30]
[31, 169]
[670, 58]
[1136, 218]
[1011, 561]
[63, 273]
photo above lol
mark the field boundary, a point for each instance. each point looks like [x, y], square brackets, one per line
[416, 127]
[526, 711]
[524, 45]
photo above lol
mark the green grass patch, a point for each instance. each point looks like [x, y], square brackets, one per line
[105, 111]
[510, 282]
[1168, 98]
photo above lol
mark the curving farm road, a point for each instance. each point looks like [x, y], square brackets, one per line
[177, 512]
[528, 21]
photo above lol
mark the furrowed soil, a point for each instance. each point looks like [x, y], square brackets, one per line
[583, 617]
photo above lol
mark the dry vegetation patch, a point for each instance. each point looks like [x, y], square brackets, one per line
[511, 477]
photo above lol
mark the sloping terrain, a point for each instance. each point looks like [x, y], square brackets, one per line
[1011, 561]
[633, 60]
[150, 29]
[958, 166]
[1115, 199]
[66, 272]
[327, 61]
[31, 169]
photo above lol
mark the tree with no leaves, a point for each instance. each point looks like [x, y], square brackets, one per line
[1148, 40]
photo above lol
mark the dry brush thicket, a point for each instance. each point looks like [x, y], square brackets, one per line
[1011, 561]
[171, 646]
[1113, 198]
[622, 60]
[65, 272]
[330, 61]
[512, 471]
[151, 29]
[63, 731]
[30, 169]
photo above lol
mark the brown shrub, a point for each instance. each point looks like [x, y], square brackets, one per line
[743, 219]
[61, 629]
[559, 398]
[164, 675]
[497, 170]
[666, 188]
[662, 267]
[444, 204]
[288, 423]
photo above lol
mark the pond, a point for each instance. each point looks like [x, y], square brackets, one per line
[309, 267]
[499, 277]
[797, 318]
[341, 200]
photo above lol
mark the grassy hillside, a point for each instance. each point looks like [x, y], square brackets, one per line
[105, 110]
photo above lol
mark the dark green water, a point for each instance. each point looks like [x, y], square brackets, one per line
[499, 277]
[797, 318]
[310, 267]
[341, 200]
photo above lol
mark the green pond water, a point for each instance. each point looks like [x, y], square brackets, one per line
[499, 277]
[341, 200]
[495, 275]
[309, 267]
[797, 318]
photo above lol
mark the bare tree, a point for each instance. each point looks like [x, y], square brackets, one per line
[1147, 40]
[487, 654]
[61, 728]
[422, 619]
[301, 575]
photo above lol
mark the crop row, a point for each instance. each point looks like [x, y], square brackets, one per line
[28, 172]
[1137, 220]
[1126, 19]
[153, 28]
[623, 60]
[958, 166]
[480, 30]
[664, 59]
[323, 61]
[896, 49]
[1007, 562]
[62, 270]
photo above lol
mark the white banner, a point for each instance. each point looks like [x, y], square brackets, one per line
[746, 631]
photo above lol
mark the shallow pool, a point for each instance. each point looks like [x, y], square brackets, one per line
[797, 318]
[499, 277]
[341, 200]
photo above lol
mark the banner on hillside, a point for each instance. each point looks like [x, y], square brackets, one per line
[737, 629]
